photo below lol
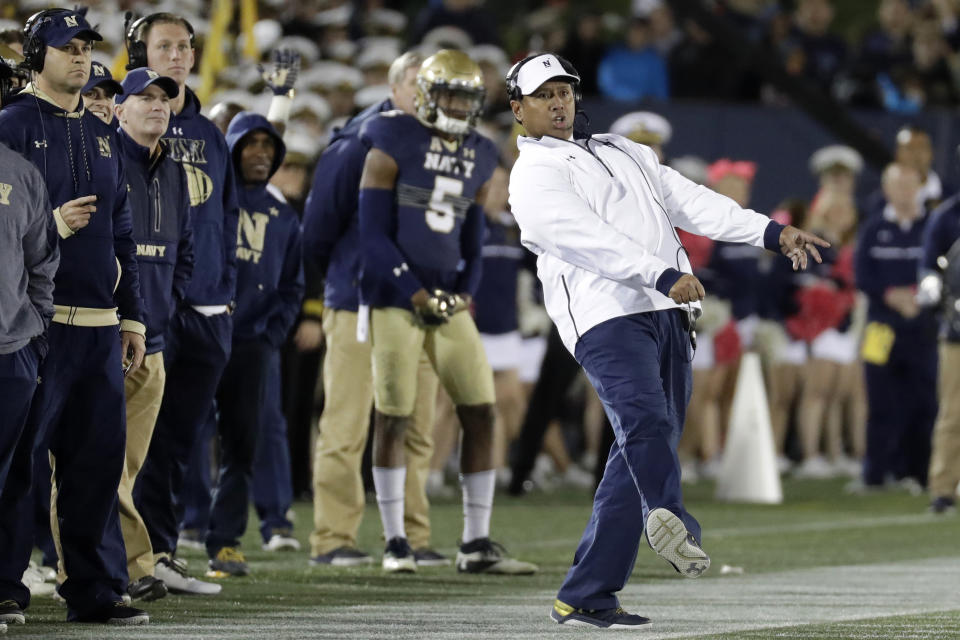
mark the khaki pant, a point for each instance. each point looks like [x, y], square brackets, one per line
[454, 349]
[144, 391]
[338, 498]
[945, 456]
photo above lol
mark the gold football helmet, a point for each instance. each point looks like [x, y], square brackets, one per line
[450, 92]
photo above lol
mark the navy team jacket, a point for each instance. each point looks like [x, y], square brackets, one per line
[270, 278]
[330, 236]
[160, 204]
[76, 155]
[201, 150]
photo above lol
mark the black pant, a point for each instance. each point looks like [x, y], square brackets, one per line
[558, 371]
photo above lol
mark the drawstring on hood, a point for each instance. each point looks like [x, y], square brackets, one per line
[45, 103]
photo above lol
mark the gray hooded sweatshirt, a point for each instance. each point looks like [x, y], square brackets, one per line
[28, 252]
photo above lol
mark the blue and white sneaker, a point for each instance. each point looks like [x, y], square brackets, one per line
[485, 556]
[562, 613]
[667, 535]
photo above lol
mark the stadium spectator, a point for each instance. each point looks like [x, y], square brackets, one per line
[635, 69]
[470, 16]
[159, 201]
[78, 412]
[885, 47]
[585, 46]
[822, 55]
[899, 348]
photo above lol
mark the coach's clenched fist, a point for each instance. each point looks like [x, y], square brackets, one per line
[687, 289]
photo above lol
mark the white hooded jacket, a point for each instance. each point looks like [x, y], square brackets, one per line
[600, 215]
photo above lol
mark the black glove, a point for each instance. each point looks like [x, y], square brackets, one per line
[281, 74]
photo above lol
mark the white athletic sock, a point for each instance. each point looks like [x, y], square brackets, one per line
[389, 483]
[477, 503]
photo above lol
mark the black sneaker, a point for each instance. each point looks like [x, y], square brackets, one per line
[426, 557]
[485, 556]
[342, 557]
[11, 613]
[147, 588]
[116, 613]
[942, 505]
[562, 613]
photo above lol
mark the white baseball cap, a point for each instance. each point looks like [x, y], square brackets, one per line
[535, 71]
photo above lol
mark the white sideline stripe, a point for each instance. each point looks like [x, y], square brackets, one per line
[799, 527]
[678, 608]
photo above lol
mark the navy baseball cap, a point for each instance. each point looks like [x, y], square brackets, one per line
[139, 79]
[100, 76]
[58, 28]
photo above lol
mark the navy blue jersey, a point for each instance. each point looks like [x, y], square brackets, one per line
[435, 226]
[496, 299]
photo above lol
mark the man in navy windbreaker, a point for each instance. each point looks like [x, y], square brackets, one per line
[78, 410]
[160, 204]
[269, 289]
[198, 341]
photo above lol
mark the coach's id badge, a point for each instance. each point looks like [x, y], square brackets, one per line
[363, 323]
[877, 342]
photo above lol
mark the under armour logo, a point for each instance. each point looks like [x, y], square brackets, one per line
[40, 144]
[71, 21]
[177, 131]
[398, 271]
[546, 63]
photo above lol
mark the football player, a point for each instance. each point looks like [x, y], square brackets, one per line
[421, 231]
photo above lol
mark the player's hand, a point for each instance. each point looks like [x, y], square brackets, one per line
[133, 347]
[76, 213]
[433, 309]
[282, 71]
[462, 302]
[795, 244]
[687, 289]
[309, 335]
[903, 300]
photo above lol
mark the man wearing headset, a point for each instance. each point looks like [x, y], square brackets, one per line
[198, 341]
[599, 212]
[96, 336]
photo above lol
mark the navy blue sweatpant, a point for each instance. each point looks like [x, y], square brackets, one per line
[79, 410]
[640, 367]
[902, 407]
[197, 350]
[240, 401]
[272, 480]
[18, 381]
[194, 502]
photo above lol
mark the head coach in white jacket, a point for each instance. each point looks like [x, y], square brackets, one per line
[599, 212]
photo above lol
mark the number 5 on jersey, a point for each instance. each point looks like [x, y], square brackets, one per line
[440, 216]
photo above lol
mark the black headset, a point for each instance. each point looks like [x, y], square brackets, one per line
[513, 89]
[136, 47]
[34, 48]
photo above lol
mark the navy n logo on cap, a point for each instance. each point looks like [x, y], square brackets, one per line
[98, 70]
[71, 21]
[546, 63]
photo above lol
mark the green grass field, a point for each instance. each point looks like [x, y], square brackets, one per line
[822, 565]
